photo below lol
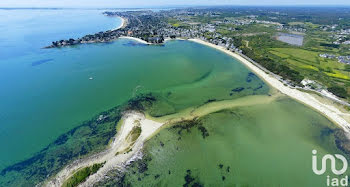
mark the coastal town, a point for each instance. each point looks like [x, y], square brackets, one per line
[152, 27]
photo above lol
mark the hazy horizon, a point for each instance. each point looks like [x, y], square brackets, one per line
[172, 6]
[161, 3]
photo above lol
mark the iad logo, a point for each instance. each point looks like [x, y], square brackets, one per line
[324, 163]
[332, 159]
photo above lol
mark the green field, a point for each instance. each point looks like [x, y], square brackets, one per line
[311, 64]
[293, 62]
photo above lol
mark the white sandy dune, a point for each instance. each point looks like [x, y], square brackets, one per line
[119, 145]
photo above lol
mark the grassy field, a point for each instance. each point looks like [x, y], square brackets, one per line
[295, 62]
[310, 63]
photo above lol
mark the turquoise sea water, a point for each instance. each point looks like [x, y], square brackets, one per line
[33, 80]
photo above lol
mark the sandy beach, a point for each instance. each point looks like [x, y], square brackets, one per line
[136, 39]
[329, 111]
[122, 25]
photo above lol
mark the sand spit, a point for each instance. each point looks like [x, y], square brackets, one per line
[120, 151]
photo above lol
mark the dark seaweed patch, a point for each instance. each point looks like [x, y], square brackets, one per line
[61, 139]
[259, 87]
[204, 131]
[185, 125]
[189, 179]
[210, 100]
[189, 124]
[133, 44]
[203, 76]
[141, 102]
[236, 90]
[250, 77]
[239, 89]
[142, 166]
[342, 141]
[326, 132]
[39, 62]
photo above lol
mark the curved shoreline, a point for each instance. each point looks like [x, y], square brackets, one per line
[122, 25]
[329, 111]
[117, 158]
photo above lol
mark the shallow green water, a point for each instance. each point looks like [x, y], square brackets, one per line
[59, 94]
[262, 145]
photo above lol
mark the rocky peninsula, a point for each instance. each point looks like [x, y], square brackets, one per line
[138, 26]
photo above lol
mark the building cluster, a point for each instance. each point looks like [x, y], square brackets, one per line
[289, 28]
[95, 38]
[153, 28]
[141, 26]
[328, 27]
[342, 37]
[240, 21]
[341, 59]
